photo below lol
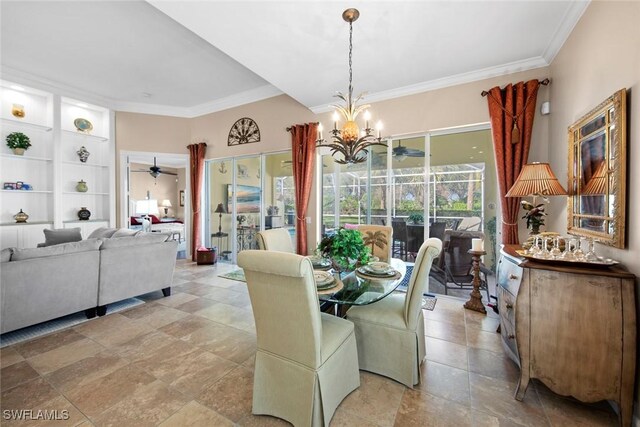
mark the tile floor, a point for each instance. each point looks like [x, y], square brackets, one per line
[188, 360]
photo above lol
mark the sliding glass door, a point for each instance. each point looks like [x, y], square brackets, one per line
[245, 195]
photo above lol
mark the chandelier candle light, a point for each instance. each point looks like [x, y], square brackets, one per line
[350, 141]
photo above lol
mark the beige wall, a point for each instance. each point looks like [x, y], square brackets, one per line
[182, 185]
[150, 133]
[601, 56]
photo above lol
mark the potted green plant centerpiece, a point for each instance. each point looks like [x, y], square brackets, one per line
[18, 142]
[345, 248]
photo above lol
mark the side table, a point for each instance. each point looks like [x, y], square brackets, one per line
[220, 235]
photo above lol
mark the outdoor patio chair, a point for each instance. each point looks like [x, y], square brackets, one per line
[471, 223]
[454, 269]
[400, 238]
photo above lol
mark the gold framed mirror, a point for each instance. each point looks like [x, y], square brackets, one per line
[598, 173]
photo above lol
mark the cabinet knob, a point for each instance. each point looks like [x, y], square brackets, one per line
[511, 336]
[509, 306]
[513, 277]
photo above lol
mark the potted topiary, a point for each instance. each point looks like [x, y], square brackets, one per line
[345, 248]
[416, 218]
[18, 142]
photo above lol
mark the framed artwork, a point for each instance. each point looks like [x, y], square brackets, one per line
[247, 198]
[181, 197]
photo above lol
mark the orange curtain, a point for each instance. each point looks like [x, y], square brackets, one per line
[303, 145]
[196, 158]
[511, 144]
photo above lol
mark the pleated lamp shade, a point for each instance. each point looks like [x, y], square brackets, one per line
[597, 185]
[536, 179]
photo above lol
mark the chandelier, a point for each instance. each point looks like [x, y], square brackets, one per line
[350, 141]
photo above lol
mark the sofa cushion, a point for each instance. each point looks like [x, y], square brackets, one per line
[5, 254]
[102, 233]
[61, 235]
[139, 240]
[124, 232]
[62, 249]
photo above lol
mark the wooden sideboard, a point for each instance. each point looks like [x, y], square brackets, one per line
[573, 328]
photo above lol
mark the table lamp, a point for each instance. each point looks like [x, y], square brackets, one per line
[220, 209]
[597, 184]
[536, 179]
[166, 204]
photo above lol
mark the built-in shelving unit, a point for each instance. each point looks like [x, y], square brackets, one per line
[52, 167]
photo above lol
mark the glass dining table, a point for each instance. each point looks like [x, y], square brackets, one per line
[357, 289]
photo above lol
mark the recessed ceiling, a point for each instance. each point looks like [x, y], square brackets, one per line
[196, 57]
[119, 51]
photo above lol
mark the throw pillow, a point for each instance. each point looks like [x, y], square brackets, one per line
[124, 232]
[5, 254]
[102, 233]
[61, 235]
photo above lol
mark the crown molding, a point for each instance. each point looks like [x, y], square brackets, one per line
[472, 76]
[37, 82]
[236, 100]
[570, 19]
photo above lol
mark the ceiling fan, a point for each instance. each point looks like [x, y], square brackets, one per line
[155, 170]
[401, 152]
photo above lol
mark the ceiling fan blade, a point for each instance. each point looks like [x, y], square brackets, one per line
[145, 171]
[168, 173]
[414, 153]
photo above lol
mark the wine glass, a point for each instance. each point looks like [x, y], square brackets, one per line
[591, 256]
[536, 248]
[578, 253]
[569, 244]
[555, 253]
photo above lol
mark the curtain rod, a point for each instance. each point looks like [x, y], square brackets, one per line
[544, 82]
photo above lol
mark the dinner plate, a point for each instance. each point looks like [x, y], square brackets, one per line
[369, 272]
[83, 125]
[378, 267]
[323, 279]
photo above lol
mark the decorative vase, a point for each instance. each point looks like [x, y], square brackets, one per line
[21, 216]
[81, 187]
[84, 214]
[18, 151]
[83, 154]
[17, 110]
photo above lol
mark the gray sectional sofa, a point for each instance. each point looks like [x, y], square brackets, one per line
[40, 284]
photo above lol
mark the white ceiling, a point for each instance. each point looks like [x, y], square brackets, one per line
[195, 57]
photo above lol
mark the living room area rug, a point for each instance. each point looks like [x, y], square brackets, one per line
[45, 328]
[237, 274]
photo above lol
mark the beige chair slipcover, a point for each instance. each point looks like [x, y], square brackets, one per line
[390, 332]
[306, 361]
[386, 233]
[277, 239]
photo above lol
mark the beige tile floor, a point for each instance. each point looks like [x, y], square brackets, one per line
[188, 360]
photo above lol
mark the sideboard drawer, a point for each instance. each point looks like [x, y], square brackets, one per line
[508, 332]
[506, 305]
[509, 275]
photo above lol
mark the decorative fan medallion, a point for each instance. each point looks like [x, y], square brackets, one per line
[244, 131]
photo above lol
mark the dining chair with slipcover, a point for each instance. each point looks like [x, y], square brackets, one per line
[306, 361]
[277, 239]
[390, 333]
[379, 238]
